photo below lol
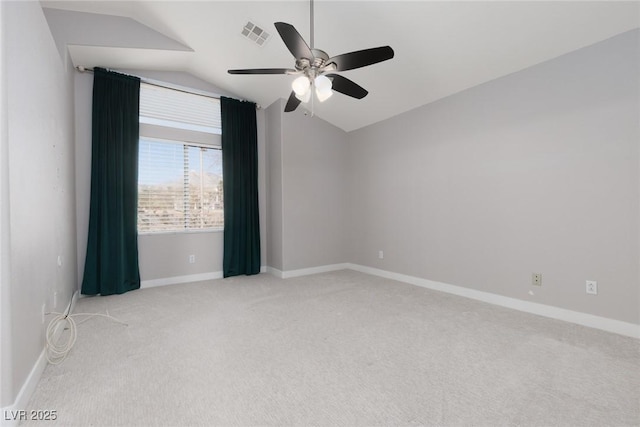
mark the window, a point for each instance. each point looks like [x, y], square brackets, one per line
[180, 162]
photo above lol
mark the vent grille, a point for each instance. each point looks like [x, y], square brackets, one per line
[256, 34]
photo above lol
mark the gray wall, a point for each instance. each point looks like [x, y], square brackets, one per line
[161, 256]
[41, 197]
[534, 172]
[6, 365]
[307, 173]
[314, 173]
[273, 116]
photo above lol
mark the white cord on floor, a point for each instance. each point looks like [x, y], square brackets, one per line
[56, 353]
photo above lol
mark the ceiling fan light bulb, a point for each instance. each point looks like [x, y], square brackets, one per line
[301, 86]
[323, 87]
[322, 83]
[323, 95]
[305, 97]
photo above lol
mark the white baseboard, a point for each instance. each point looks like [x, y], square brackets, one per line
[74, 300]
[180, 279]
[187, 279]
[275, 272]
[10, 415]
[584, 319]
[312, 270]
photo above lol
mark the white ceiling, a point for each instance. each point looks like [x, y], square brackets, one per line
[440, 47]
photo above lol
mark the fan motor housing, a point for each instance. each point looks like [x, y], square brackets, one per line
[320, 58]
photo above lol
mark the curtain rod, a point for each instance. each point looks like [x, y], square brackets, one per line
[82, 69]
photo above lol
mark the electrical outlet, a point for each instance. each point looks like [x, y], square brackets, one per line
[192, 259]
[380, 255]
[536, 279]
[592, 287]
[55, 300]
[44, 309]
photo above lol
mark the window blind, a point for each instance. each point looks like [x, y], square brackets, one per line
[168, 113]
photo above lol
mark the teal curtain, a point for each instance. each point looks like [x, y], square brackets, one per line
[240, 188]
[111, 265]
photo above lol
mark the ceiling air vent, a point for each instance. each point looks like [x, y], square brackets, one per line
[255, 33]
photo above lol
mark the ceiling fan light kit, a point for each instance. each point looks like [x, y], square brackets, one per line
[303, 84]
[315, 69]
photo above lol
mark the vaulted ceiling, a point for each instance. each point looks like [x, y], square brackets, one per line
[440, 47]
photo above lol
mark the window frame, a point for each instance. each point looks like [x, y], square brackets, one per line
[184, 136]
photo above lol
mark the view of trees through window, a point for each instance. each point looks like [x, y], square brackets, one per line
[179, 187]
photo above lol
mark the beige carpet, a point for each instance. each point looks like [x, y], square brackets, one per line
[339, 348]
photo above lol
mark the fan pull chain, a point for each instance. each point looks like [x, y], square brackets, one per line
[313, 104]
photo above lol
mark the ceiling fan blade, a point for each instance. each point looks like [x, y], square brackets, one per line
[292, 103]
[348, 87]
[263, 71]
[361, 58]
[294, 41]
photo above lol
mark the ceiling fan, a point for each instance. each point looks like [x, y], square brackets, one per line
[317, 70]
